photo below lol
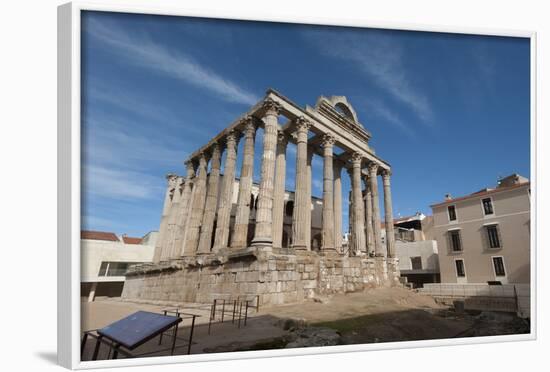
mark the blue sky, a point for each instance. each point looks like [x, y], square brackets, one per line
[449, 112]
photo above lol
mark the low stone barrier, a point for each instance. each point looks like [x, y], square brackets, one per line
[507, 297]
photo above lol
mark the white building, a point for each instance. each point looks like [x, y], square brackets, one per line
[105, 258]
[416, 249]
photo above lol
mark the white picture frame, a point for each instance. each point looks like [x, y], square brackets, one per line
[69, 185]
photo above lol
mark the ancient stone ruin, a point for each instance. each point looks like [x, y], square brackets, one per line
[225, 237]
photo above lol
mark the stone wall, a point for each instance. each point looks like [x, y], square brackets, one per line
[276, 277]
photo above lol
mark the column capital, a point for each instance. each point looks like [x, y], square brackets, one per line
[282, 138]
[271, 107]
[328, 140]
[302, 124]
[373, 169]
[356, 159]
[172, 178]
[386, 174]
[232, 138]
[249, 126]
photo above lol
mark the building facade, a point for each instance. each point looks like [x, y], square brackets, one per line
[105, 258]
[484, 237]
[416, 250]
[203, 251]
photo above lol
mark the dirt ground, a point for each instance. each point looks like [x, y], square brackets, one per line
[375, 315]
[379, 315]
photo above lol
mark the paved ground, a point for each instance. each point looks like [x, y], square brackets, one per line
[376, 315]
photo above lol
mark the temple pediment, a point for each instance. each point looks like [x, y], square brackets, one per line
[339, 111]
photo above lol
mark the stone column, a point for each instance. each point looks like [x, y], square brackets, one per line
[263, 234]
[279, 190]
[390, 237]
[308, 198]
[301, 199]
[171, 178]
[368, 222]
[226, 197]
[351, 220]
[360, 245]
[185, 207]
[328, 241]
[171, 231]
[197, 210]
[338, 207]
[242, 217]
[207, 225]
[373, 170]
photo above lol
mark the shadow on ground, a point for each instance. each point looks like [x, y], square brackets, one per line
[429, 324]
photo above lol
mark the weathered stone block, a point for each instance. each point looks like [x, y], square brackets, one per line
[309, 284]
[247, 276]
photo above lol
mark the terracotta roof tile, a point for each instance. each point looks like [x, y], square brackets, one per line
[131, 240]
[98, 235]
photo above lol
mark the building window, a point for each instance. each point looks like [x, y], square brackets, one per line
[114, 268]
[452, 212]
[492, 236]
[454, 237]
[416, 263]
[498, 264]
[487, 206]
[103, 268]
[460, 272]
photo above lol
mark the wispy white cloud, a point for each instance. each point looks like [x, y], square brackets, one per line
[381, 59]
[120, 184]
[118, 161]
[379, 109]
[114, 144]
[136, 105]
[144, 52]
